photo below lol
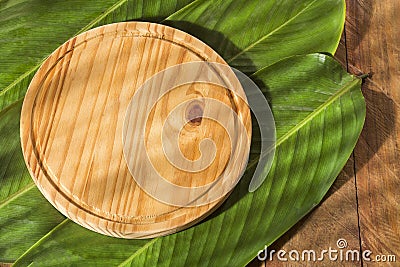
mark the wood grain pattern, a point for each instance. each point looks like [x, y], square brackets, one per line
[336, 218]
[373, 38]
[363, 206]
[72, 123]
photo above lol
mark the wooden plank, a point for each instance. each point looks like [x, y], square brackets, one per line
[334, 219]
[373, 38]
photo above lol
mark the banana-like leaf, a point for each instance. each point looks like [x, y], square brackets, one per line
[319, 111]
[250, 35]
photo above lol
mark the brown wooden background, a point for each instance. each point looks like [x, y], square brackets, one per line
[363, 204]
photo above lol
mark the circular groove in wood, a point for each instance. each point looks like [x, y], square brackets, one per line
[72, 119]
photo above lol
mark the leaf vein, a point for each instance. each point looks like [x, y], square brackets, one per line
[270, 33]
[137, 252]
[16, 195]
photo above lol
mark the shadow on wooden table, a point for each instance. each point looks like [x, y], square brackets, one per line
[359, 21]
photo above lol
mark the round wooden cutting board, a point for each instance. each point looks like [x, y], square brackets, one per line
[102, 152]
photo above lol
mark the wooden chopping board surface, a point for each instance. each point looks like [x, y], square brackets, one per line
[73, 135]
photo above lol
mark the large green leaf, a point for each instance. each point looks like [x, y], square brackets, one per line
[250, 35]
[319, 112]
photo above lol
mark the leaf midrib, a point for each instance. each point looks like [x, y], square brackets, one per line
[271, 33]
[16, 195]
[345, 88]
[37, 243]
[102, 16]
[137, 252]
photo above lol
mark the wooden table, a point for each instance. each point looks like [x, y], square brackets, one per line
[362, 207]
